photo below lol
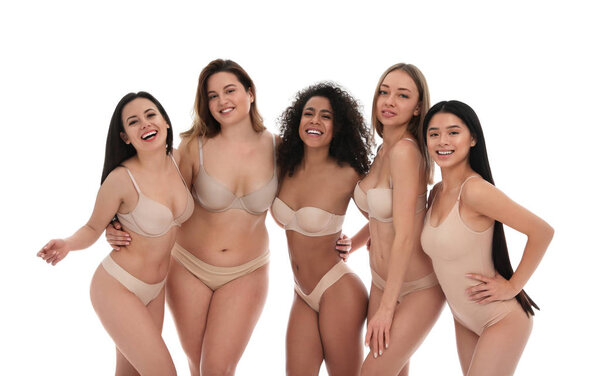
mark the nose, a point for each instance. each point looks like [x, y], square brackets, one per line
[443, 139]
[389, 101]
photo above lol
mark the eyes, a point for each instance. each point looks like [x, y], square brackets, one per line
[214, 95]
[134, 121]
[310, 113]
[383, 92]
[453, 132]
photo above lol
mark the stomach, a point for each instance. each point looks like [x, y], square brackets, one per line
[382, 239]
[311, 257]
[228, 238]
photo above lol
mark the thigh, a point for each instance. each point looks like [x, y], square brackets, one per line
[129, 322]
[234, 310]
[188, 300]
[341, 317]
[303, 350]
[500, 346]
[413, 319]
[466, 340]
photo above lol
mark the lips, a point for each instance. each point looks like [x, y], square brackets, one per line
[388, 113]
[149, 135]
[226, 111]
[314, 132]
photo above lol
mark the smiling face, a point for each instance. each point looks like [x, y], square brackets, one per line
[316, 123]
[145, 127]
[397, 99]
[228, 100]
[449, 140]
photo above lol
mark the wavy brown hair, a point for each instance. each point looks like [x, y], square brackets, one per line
[351, 139]
[416, 123]
[204, 123]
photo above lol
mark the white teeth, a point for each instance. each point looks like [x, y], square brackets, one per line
[314, 131]
[148, 135]
[445, 152]
[227, 110]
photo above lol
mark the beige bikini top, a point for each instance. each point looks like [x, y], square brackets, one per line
[309, 221]
[150, 218]
[214, 196]
[377, 202]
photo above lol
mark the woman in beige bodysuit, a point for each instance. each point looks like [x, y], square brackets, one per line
[324, 152]
[405, 299]
[464, 237]
[217, 282]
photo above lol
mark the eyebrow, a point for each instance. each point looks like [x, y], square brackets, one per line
[313, 109]
[225, 87]
[133, 116]
[448, 127]
[400, 88]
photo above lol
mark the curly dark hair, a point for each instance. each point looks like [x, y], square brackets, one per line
[351, 142]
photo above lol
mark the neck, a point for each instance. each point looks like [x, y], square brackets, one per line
[454, 176]
[314, 156]
[391, 135]
[153, 160]
[241, 131]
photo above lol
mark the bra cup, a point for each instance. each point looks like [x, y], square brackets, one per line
[312, 220]
[360, 198]
[380, 203]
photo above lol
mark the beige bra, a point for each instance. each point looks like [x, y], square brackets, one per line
[214, 196]
[309, 221]
[151, 218]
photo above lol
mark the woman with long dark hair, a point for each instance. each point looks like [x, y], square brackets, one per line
[218, 279]
[323, 153]
[463, 234]
[142, 185]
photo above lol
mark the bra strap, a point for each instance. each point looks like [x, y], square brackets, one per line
[177, 168]
[462, 185]
[132, 179]
[274, 154]
[200, 151]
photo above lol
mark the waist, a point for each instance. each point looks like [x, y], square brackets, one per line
[150, 267]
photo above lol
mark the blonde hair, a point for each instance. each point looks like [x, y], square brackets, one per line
[415, 124]
[204, 124]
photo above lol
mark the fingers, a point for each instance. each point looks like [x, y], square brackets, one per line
[379, 347]
[479, 277]
[387, 337]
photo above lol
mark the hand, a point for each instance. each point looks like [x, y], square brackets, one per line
[115, 237]
[54, 251]
[343, 245]
[490, 289]
[378, 331]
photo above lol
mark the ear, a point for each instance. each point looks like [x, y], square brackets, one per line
[417, 110]
[124, 137]
[251, 94]
[473, 141]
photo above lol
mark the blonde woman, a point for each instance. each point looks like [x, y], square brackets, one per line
[405, 298]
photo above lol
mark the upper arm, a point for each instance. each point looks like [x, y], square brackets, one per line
[487, 200]
[405, 162]
[109, 199]
[188, 151]
[432, 194]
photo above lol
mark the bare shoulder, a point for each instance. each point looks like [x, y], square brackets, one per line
[404, 151]
[477, 190]
[116, 180]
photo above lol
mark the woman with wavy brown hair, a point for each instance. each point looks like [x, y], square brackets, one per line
[217, 283]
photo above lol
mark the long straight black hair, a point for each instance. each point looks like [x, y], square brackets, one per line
[117, 151]
[478, 160]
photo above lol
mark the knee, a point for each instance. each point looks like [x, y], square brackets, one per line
[214, 368]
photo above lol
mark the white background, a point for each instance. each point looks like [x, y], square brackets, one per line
[529, 70]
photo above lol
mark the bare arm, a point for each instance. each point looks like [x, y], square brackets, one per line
[405, 162]
[487, 200]
[108, 200]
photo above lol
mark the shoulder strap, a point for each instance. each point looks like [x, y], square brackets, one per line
[462, 185]
[200, 150]
[177, 168]
[274, 154]
[132, 179]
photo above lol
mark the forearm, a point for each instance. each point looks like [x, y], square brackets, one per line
[83, 238]
[532, 255]
[398, 264]
[360, 238]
